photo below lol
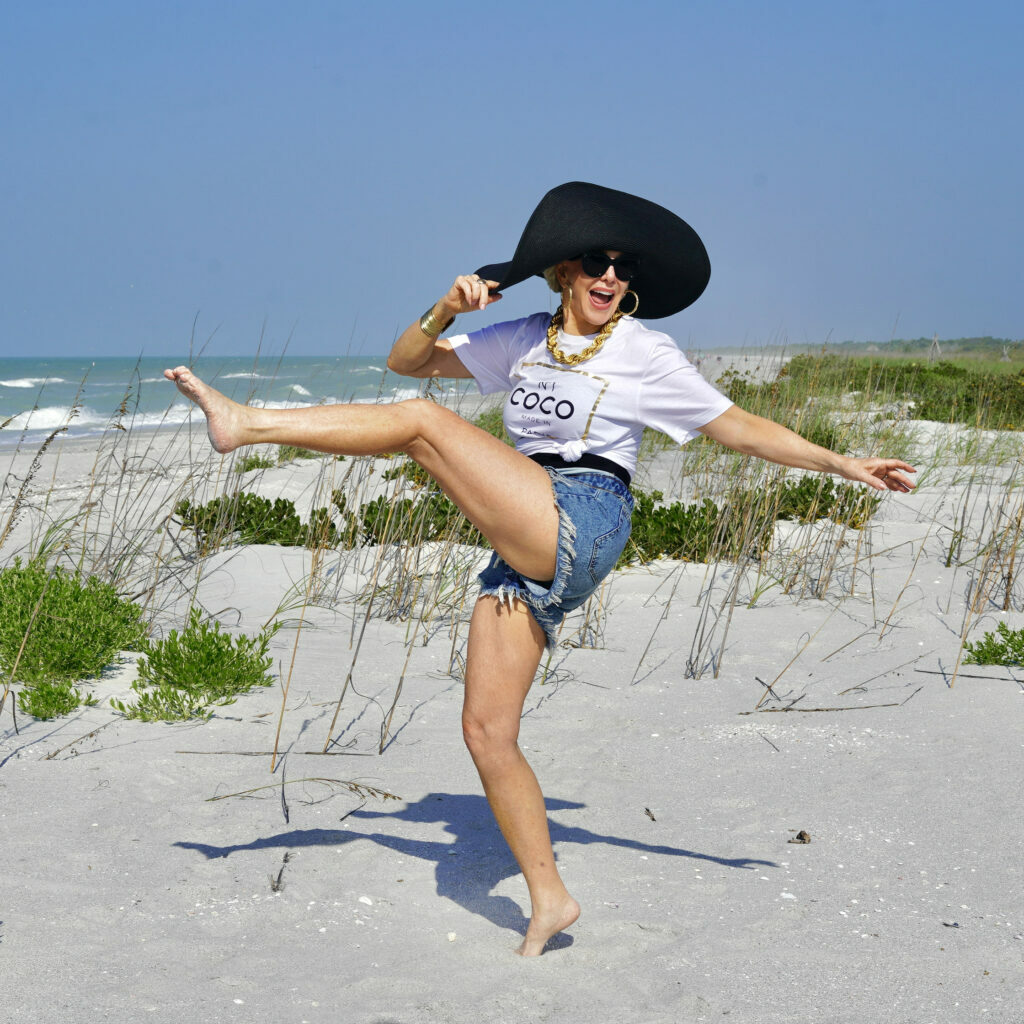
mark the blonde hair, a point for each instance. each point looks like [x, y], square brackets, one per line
[551, 276]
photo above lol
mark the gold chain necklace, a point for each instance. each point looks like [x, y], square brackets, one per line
[572, 360]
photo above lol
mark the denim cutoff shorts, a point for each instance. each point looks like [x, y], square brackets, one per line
[594, 515]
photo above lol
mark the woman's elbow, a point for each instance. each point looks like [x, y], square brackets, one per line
[403, 367]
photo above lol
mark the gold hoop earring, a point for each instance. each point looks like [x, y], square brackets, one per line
[636, 301]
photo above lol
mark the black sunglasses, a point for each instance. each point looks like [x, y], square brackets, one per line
[596, 263]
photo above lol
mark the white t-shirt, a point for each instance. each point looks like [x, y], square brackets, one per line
[638, 379]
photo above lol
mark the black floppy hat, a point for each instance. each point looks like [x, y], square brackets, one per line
[577, 217]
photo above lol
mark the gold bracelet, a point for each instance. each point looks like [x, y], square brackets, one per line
[431, 325]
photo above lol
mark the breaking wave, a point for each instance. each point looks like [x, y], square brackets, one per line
[31, 382]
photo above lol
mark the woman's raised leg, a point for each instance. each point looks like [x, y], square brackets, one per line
[504, 650]
[505, 495]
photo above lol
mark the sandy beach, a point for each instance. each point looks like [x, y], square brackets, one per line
[694, 722]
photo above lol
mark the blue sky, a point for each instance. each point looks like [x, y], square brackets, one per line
[316, 173]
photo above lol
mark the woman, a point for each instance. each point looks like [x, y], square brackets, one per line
[582, 386]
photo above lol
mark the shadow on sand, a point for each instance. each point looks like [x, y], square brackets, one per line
[468, 868]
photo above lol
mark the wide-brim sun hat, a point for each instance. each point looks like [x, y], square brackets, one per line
[578, 217]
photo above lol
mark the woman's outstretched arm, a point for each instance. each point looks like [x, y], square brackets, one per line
[754, 435]
[419, 354]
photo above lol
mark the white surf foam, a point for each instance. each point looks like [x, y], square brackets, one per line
[49, 417]
[31, 382]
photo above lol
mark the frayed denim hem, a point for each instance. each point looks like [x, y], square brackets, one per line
[604, 504]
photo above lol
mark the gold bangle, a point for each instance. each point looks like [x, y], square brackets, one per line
[432, 326]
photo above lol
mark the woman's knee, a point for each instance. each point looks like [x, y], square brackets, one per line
[489, 736]
[426, 421]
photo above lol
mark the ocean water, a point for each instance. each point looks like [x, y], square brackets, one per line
[87, 396]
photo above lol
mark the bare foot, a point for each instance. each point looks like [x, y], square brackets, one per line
[222, 415]
[546, 923]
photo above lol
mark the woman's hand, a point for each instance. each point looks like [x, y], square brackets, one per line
[882, 474]
[417, 352]
[469, 292]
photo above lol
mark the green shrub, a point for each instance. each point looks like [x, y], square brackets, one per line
[52, 699]
[431, 516]
[187, 674]
[250, 519]
[290, 452]
[411, 471]
[1006, 649]
[70, 628]
[686, 532]
[698, 532]
[819, 497]
[56, 628]
[254, 520]
[704, 531]
[165, 703]
[347, 535]
[248, 463]
[737, 385]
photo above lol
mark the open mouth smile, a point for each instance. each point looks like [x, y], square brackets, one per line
[601, 299]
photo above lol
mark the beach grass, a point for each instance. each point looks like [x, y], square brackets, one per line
[154, 511]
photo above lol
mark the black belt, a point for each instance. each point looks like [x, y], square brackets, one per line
[585, 461]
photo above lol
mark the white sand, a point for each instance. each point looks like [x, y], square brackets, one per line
[128, 896]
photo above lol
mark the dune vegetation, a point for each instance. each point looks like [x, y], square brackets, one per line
[120, 556]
